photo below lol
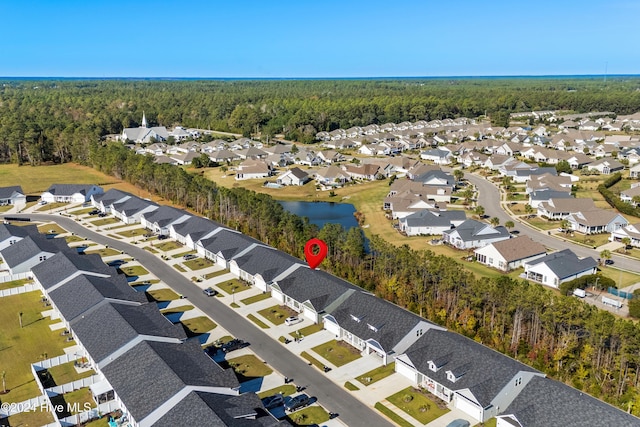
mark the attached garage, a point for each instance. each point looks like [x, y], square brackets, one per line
[406, 371]
[310, 314]
[331, 325]
[468, 407]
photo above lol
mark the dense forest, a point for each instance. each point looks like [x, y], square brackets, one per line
[574, 342]
[66, 120]
[55, 120]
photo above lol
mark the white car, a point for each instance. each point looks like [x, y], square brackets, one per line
[292, 320]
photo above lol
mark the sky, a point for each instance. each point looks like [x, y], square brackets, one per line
[316, 39]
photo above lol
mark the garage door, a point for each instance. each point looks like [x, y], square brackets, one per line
[310, 314]
[469, 408]
[405, 371]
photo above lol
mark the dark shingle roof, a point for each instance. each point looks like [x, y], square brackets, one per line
[199, 409]
[7, 192]
[433, 219]
[471, 229]
[133, 205]
[229, 243]
[196, 227]
[266, 261]
[545, 402]
[69, 189]
[484, 374]
[565, 263]
[164, 215]
[319, 288]
[63, 264]
[31, 246]
[124, 323]
[150, 373]
[8, 230]
[81, 293]
[111, 196]
[550, 194]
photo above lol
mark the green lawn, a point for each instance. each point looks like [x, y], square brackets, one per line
[50, 206]
[180, 309]
[198, 325]
[351, 386]
[83, 211]
[417, 405]
[163, 295]
[622, 278]
[35, 180]
[5, 208]
[310, 416]
[80, 400]
[276, 314]
[22, 346]
[307, 330]
[377, 374]
[150, 249]
[589, 240]
[105, 221]
[286, 390]
[133, 232]
[392, 415]
[233, 286]
[315, 362]
[71, 239]
[337, 352]
[67, 373]
[255, 298]
[31, 418]
[198, 263]
[181, 254]
[257, 321]
[167, 245]
[215, 274]
[249, 366]
[14, 284]
[134, 270]
[103, 252]
[542, 224]
[180, 268]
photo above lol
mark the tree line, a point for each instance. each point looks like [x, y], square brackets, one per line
[574, 342]
[50, 120]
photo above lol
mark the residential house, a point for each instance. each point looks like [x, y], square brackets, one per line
[631, 195]
[545, 196]
[373, 326]
[559, 209]
[13, 196]
[596, 221]
[70, 193]
[634, 172]
[474, 234]
[311, 292]
[429, 222]
[549, 182]
[332, 176]
[130, 210]
[263, 265]
[10, 234]
[184, 158]
[367, 171]
[437, 155]
[253, 169]
[546, 402]
[27, 252]
[510, 254]
[103, 201]
[223, 156]
[294, 176]
[159, 220]
[524, 175]
[223, 245]
[192, 230]
[606, 166]
[631, 232]
[559, 267]
[479, 386]
[330, 156]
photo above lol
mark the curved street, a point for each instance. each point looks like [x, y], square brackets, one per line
[333, 397]
[489, 198]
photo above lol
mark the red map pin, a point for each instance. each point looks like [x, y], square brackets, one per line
[315, 256]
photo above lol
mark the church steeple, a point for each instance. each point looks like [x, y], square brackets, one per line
[144, 120]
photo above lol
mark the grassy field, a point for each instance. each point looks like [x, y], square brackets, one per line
[105, 221]
[134, 270]
[255, 320]
[622, 278]
[276, 314]
[249, 366]
[233, 286]
[163, 295]
[103, 252]
[307, 330]
[337, 352]
[255, 298]
[51, 228]
[417, 405]
[310, 416]
[167, 246]
[377, 374]
[198, 263]
[198, 325]
[21, 346]
[133, 233]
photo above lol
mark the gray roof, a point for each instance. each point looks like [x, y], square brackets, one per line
[485, 373]
[30, 246]
[545, 402]
[424, 177]
[111, 196]
[164, 215]
[196, 227]
[7, 192]
[133, 205]
[269, 262]
[229, 243]
[536, 171]
[69, 189]
[150, 373]
[565, 263]
[318, 287]
[123, 323]
[298, 173]
[550, 194]
[199, 409]
[63, 264]
[81, 293]
[433, 219]
[8, 230]
[470, 229]
[392, 322]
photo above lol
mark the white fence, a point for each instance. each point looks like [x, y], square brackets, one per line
[83, 417]
[73, 386]
[18, 289]
[55, 361]
[32, 404]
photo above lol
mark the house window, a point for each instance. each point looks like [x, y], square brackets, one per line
[11, 242]
[490, 260]
[451, 377]
[43, 257]
[432, 366]
[518, 381]
[419, 332]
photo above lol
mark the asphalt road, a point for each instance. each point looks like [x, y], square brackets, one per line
[331, 396]
[489, 198]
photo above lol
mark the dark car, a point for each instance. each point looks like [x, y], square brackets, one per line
[274, 401]
[210, 292]
[94, 212]
[162, 237]
[297, 402]
[102, 214]
[608, 262]
[234, 344]
[458, 423]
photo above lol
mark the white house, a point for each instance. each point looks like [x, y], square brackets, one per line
[12, 196]
[559, 267]
[596, 221]
[430, 222]
[631, 231]
[70, 193]
[294, 176]
[510, 254]
[473, 234]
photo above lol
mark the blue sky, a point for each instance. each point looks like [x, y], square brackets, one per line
[244, 38]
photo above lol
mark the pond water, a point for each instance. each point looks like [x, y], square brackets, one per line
[321, 213]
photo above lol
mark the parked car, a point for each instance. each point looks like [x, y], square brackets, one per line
[189, 256]
[297, 402]
[210, 292]
[292, 320]
[608, 262]
[234, 344]
[459, 423]
[274, 401]
[162, 237]
[102, 214]
[94, 212]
